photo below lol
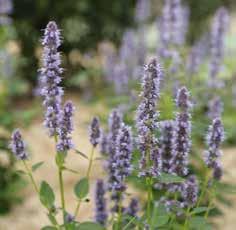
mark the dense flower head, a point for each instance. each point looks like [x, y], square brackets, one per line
[122, 158]
[65, 128]
[100, 203]
[167, 144]
[214, 139]
[17, 146]
[95, 132]
[183, 133]
[104, 145]
[147, 115]
[133, 208]
[6, 8]
[51, 78]
[215, 108]
[218, 32]
[189, 191]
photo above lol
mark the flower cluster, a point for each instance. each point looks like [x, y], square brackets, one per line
[147, 115]
[214, 139]
[143, 9]
[183, 132]
[218, 32]
[6, 8]
[17, 146]
[133, 208]
[189, 191]
[215, 108]
[100, 203]
[51, 78]
[167, 144]
[95, 132]
[65, 128]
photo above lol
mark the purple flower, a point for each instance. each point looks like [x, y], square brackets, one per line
[65, 128]
[189, 191]
[218, 31]
[69, 218]
[6, 6]
[142, 12]
[100, 203]
[17, 146]
[133, 208]
[147, 115]
[167, 144]
[51, 78]
[94, 132]
[215, 108]
[104, 145]
[122, 158]
[214, 139]
[183, 133]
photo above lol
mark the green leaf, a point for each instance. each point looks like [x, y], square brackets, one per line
[47, 196]
[52, 218]
[20, 172]
[159, 216]
[169, 178]
[81, 154]
[90, 226]
[37, 165]
[49, 228]
[82, 188]
[199, 210]
[199, 223]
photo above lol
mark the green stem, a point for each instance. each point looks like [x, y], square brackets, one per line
[149, 199]
[31, 176]
[119, 219]
[87, 175]
[61, 188]
[186, 220]
[210, 203]
[203, 191]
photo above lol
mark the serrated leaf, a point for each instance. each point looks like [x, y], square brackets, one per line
[81, 154]
[47, 196]
[90, 226]
[37, 165]
[169, 178]
[82, 188]
[199, 210]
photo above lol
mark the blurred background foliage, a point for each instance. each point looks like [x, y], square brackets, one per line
[85, 23]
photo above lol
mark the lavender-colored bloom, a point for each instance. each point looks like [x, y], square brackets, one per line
[17, 146]
[214, 139]
[133, 208]
[6, 6]
[189, 191]
[183, 133]
[215, 108]
[100, 203]
[167, 144]
[104, 145]
[218, 32]
[69, 218]
[122, 158]
[146, 118]
[142, 12]
[94, 132]
[65, 128]
[217, 171]
[51, 77]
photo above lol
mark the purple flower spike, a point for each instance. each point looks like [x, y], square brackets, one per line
[214, 139]
[17, 146]
[51, 78]
[147, 117]
[95, 132]
[183, 133]
[100, 203]
[142, 13]
[218, 32]
[215, 108]
[133, 208]
[65, 128]
[167, 144]
[189, 191]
